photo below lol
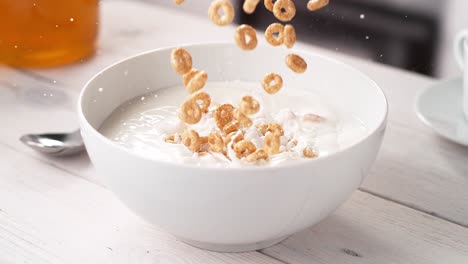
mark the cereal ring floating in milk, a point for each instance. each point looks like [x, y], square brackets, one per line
[313, 5]
[309, 153]
[190, 112]
[273, 128]
[228, 12]
[216, 142]
[246, 37]
[259, 154]
[223, 115]
[181, 60]
[173, 139]
[284, 10]
[249, 6]
[244, 120]
[272, 30]
[234, 137]
[289, 36]
[230, 127]
[194, 80]
[244, 148]
[296, 63]
[203, 99]
[272, 83]
[191, 140]
[249, 105]
[271, 143]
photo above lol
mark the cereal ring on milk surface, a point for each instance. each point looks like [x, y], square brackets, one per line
[249, 6]
[312, 118]
[190, 112]
[271, 143]
[203, 99]
[230, 127]
[234, 137]
[272, 82]
[273, 128]
[191, 140]
[289, 36]
[259, 154]
[223, 115]
[309, 153]
[194, 80]
[216, 142]
[246, 37]
[269, 4]
[244, 148]
[249, 105]
[275, 28]
[244, 120]
[284, 10]
[173, 139]
[313, 5]
[296, 63]
[228, 12]
[181, 60]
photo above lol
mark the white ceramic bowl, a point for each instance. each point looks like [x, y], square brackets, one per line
[235, 209]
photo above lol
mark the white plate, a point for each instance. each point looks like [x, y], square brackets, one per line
[440, 107]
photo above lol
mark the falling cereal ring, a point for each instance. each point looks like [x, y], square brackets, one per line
[228, 10]
[204, 99]
[272, 83]
[313, 5]
[190, 112]
[275, 28]
[246, 37]
[181, 60]
[289, 36]
[284, 10]
[296, 63]
[194, 80]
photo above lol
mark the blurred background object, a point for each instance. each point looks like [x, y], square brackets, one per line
[413, 35]
[42, 33]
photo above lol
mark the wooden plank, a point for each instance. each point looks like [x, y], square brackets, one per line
[415, 167]
[371, 230]
[50, 216]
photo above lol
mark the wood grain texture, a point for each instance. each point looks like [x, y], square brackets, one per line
[367, 229]
[50, 216]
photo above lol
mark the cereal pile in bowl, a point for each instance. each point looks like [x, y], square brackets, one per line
[235, 135]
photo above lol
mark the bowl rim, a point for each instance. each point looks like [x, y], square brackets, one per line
[296, 163]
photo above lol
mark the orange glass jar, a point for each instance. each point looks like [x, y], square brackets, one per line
[44, 33]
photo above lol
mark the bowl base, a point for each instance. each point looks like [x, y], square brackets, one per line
[234, 248]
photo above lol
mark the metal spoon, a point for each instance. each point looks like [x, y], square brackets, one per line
[58, 144]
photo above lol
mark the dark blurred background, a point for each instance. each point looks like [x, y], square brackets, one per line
[415, 35]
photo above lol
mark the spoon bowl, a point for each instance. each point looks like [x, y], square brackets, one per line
[55, 144]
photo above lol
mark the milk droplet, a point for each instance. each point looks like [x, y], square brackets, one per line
[16, 46]
[362, 16]
[51, 95]
[54, 81]
[56, 26]
[100, 90]
[367, 37]
[126, 72]
[142, 98]
[44, 94]
[72, 19]
[156, 96]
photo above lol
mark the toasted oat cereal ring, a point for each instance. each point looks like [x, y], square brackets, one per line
[246, 37]
[309, 153]
[271, 143]
[313, 5]
[244, 120]
[312, 118]
[272, 83]
[181, 60]
[273, 128]
[203, 100]
[259, 154]
[191, 140]
[289, 36]
[216, 142]
[216, 17]
[244, 148]
[173, 139]
[274, 34]
[230, 127]
[296, 63]
[269, 4]
[234, 137]
[249, 105]
[249, 6]
[284, 10]
[190, 112]
[179, 2]
[194, 80]
[223, 115]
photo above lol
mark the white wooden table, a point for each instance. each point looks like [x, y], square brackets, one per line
[413, 207]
